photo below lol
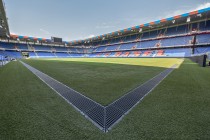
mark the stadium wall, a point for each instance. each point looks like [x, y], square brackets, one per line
[200, 59]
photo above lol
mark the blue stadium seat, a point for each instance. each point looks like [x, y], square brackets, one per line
[203, 39]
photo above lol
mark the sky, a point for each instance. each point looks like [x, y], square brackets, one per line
[80, 19]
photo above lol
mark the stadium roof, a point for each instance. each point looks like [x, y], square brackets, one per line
[201, 14]
[4, 28]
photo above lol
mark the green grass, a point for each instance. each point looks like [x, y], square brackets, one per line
[103, 80]
[31, 110]
[177, 109]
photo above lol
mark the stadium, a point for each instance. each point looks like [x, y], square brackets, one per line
[149, 81]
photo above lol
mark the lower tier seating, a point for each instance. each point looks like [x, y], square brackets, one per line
[180, 52]
[202, 50]
[175, 52]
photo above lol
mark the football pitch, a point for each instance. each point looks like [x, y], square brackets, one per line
[103, 80]
[177, 109]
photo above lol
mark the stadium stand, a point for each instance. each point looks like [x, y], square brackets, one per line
[203, 39]
[41, 48]
[177, 37]
[200, 59]
[202, 50]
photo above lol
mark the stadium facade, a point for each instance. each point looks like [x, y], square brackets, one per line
[179, 36]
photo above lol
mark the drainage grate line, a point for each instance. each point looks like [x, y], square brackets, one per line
[105, 118]
[78, 101]
[129, 101]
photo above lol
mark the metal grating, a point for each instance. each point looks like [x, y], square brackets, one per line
[130, 100]
[91, 109]
[102, 117]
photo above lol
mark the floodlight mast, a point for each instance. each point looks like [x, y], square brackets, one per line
[4, 21]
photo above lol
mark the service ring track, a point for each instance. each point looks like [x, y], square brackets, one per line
[102, 117]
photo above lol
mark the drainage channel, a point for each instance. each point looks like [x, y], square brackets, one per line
[121, 107]
[105, 118]
[92, 110]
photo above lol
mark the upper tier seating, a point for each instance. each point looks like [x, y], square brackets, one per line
[8, 45]
[42, 48]
[60, 49]
[112, 48]
[129, 46]
[73, 50]
[177, 30]
[171, 31]
[22, 47]
[153, 34]
[100, 49]
[79, 50]
[204, 26]
[203, 39]
[130, 38]
[177, 41]
[13, 46]
[147, 44]
[168, 42]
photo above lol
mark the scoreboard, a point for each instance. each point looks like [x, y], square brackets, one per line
[56, 39]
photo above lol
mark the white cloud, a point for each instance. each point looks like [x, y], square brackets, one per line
[90, 36]
[202, 6]
[44, 31]
[183, 9]
[187, 9]
[83, 37]
[15, 33]
[105, 26]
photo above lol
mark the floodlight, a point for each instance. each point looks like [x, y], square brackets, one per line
[188, 19]
[7, 36]
[199, 15]
[173, 21]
